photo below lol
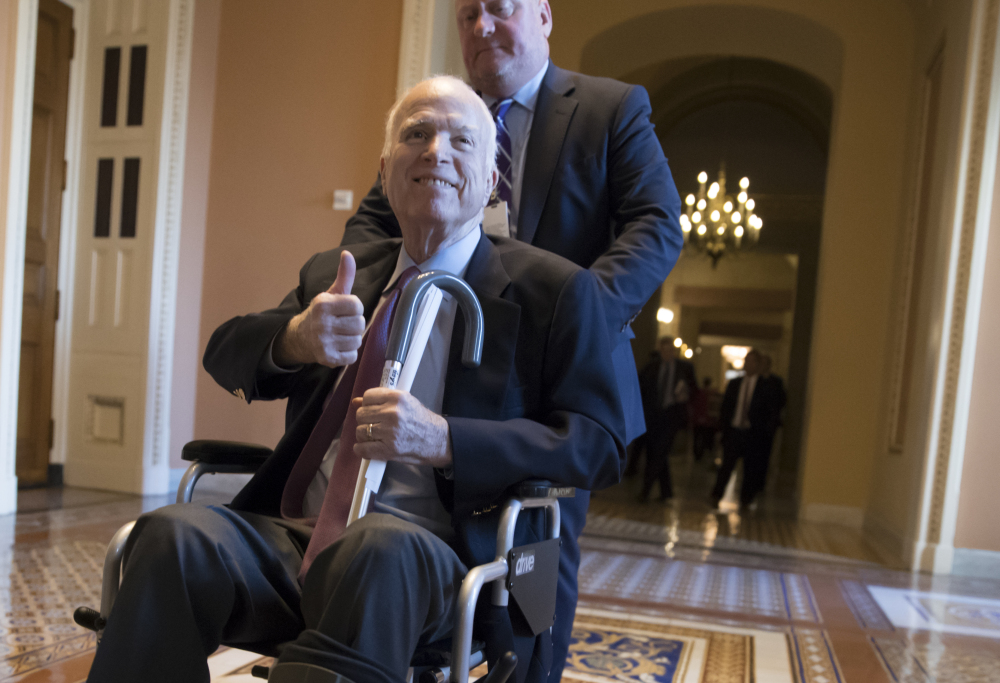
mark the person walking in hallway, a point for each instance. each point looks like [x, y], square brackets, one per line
[705, 418]
[747, 416]
[667, 385]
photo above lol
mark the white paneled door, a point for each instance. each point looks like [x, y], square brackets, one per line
[126, 131]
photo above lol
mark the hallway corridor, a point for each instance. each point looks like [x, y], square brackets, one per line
[668, 593]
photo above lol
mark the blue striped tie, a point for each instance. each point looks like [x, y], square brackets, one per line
[504, 155]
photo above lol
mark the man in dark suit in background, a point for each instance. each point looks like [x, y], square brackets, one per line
[667, 384]
[779, 397]
[748, 415]
[585, 178]
[543, 404]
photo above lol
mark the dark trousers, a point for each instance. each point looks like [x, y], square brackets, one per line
[197, 577]
[662, 430]
[752, 447]
[573, 512]
[704, 439]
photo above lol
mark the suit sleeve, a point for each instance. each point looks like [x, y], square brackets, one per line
[576, 435]
[374, 219]
[235, 351]
[645, 213]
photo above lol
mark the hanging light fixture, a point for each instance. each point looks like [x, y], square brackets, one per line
[719, 221]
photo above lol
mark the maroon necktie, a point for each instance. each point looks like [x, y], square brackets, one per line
[363, 374]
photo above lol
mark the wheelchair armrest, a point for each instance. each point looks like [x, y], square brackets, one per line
[228, 453]
[542, 488]
[218, 457]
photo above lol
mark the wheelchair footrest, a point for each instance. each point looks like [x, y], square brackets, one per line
[90, 619]
[438, 653]
[297, 672]
[503, 669]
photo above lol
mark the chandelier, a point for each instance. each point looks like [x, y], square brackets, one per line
[718, 219]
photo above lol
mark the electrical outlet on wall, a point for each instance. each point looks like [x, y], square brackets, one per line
[343, 200]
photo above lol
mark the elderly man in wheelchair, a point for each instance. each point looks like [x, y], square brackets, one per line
[291, 567]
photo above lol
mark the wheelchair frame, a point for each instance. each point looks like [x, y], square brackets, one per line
[531, 494]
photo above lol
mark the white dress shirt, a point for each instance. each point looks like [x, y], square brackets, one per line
[741, 416]
[518, 122]
[409, 491]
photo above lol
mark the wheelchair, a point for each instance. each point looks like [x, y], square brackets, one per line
[529, 573]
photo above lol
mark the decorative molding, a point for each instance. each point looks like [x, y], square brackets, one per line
[19, 146]
[166, 247]
[415, 44]
[964, 294]
[902, 313]
[68, 229]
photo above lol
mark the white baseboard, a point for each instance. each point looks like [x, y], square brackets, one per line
[227, 484]
[8, 495]
[935, 558]
[979, 563]
[843, 515]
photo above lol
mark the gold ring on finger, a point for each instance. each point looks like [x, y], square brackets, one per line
[370, 437]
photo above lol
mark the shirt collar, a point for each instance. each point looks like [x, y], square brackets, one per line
[527, 96]
[452, 259]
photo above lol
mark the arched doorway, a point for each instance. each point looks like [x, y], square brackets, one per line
[771, 123]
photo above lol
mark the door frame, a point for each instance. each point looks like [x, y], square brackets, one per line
[169, 199]
[16, 216]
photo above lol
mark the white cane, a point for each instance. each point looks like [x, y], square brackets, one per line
[415, 313]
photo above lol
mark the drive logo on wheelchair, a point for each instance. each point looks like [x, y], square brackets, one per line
[525, 563]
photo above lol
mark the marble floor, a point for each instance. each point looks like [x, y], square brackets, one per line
[671, 592]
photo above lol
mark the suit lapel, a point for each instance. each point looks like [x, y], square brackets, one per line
[553, 113]
[480, 392]
[371, 279]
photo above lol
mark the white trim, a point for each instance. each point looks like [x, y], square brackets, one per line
[14, 239]
[971, 562]
[166, 248]
[68, 228]
[844, 515]
[938, 556]
[415, 44]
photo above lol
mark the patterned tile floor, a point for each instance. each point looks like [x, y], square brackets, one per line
[692, 600]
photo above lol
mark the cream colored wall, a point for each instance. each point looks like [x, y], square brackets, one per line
[301, 93]
[979, 507]
[899, 476]
[197, 162]
[873, 90]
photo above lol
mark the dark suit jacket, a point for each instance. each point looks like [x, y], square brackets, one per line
[649, 383]
[596, 190]
[543, 403]
[764, 406]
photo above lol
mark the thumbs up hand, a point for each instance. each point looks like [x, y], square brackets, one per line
[329, 331]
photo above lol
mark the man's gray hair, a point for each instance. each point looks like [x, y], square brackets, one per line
[392, 122]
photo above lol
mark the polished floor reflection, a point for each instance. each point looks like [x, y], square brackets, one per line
[672, 592]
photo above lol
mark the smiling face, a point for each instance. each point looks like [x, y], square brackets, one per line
[504, 42]
[437, 171]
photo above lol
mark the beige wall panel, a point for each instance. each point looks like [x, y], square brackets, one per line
[898, 477]
[302, 89]
[191, 261]
[979, 507]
